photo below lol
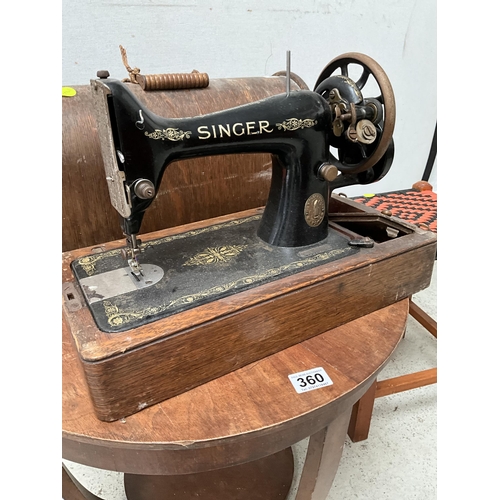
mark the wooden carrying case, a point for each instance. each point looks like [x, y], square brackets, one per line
[130, 370]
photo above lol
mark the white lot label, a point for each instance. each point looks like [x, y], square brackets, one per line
[310, 380]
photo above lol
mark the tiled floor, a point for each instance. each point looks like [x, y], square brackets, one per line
[398, 460]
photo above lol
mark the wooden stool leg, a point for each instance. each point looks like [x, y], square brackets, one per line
[361, 416]
[423, 318]
[322, 460]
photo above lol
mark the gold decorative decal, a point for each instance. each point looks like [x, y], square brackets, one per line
[119, 318]
[296, 123]
[172, 134]
[207, 229]
[314, 210]
[214, 255]
[88, 263]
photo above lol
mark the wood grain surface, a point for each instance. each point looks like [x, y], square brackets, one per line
[267, 478]
[245, 415]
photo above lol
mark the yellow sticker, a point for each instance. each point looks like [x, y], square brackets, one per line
[369, 195]
[68, 92]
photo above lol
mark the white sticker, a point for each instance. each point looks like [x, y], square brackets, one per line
[310, 380]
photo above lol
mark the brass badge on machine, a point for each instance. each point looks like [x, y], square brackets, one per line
[314, 210]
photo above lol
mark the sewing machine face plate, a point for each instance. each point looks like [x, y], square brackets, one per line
[193, 268]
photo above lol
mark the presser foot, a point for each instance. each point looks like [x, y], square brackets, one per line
[135, 269]
[130, 255]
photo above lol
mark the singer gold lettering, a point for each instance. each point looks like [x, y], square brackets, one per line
[236, 129]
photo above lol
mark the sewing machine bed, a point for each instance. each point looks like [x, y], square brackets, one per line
[222, 304]
[192, 268]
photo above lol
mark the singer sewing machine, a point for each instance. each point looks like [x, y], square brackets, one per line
[158, 314]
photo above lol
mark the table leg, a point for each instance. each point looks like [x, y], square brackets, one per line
[322, 460]
[72, 489]
[269, 478]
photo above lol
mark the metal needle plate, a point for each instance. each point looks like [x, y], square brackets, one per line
[119, 281]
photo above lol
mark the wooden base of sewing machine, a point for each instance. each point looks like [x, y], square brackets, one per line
[127, 371]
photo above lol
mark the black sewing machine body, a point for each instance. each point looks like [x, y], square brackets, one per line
[297, 128]
[294, 128]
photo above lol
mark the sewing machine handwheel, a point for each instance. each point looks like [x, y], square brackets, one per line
[370, 156]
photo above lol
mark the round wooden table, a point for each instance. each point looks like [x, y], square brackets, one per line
[232, 437]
